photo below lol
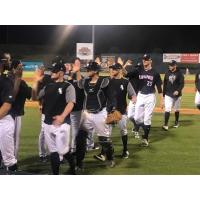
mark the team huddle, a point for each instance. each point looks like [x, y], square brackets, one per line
[75, 107]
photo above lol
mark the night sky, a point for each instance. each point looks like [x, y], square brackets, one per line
[124, 39]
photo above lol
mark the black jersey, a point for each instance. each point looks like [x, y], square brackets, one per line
[55, 96]
[6, 90]
[173, 81]
[147, 80]
[45, 81]
[23, 94]
[79, 95]
[197, 81]
[121, 87]
[133, 77]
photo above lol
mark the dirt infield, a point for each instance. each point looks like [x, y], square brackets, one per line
[34, 104]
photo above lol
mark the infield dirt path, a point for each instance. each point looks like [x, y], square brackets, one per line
[157, 110]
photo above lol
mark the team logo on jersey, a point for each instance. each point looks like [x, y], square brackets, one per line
[60, 90]
[172, 78]
[145, 76]
[121, 87]
[91, 90]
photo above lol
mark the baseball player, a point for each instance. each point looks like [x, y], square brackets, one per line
[6, 120]
[172, 92]
[75, 115]
[121, 87]
[58, 101]
[197, 85]
[24, 92]
[46, 73]
[95, 112]
[146, 99]
[131, 106]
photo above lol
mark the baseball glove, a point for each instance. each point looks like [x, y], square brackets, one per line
[113, 117]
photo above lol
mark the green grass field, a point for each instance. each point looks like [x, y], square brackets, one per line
[173, 152]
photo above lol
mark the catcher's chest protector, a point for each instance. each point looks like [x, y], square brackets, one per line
[95, 98]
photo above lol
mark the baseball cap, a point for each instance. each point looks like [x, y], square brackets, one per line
[57, 60]
[146, 57]
[57, 67]
[172, 63]
[116, 66]
[93, 66]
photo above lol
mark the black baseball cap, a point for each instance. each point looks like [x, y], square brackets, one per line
[172, 63]
[93, 66]
[57, 67]
[116, 66]
[146, 57]
[57, 60]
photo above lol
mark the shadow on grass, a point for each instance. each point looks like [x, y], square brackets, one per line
[34, 166]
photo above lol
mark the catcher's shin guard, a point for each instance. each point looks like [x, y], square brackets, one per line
[107, 147]
[81, 144]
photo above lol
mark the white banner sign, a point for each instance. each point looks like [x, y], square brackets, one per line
[167, 57]
[84, 51]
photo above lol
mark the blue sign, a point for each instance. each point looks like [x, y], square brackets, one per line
[31, 65]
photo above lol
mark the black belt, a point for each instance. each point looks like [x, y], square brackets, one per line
[94, 111]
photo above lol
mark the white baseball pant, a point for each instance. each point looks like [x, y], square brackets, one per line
[122, 124]
[57, 138]
[96, 122]
[7, 148]
[144, 108]
[197, 98]
[41, 141]
[75, 118]
[172, 103]
[18, 123]
[131, 110]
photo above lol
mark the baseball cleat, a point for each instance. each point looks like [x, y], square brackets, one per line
[145, 143]
[125, 154]
[137, 135]
[176, 126]
[165, 128]
[100, 157]
[43, 159]
[111, 164]
[95, 147]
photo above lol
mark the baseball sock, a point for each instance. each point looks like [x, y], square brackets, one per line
[55, 163]
[198, 106]
[176, 117]
[136, 128]
[80, 147]
[124, 141]
[167, 115]
[110, 151]
[70, 158]
[146, 131]
[0, 159]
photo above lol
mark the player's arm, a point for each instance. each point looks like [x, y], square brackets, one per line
[71, 100]
[4, 109]
[180, 85]
[131, 92]
[7, 98]
[39, 75]
[158, 82]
